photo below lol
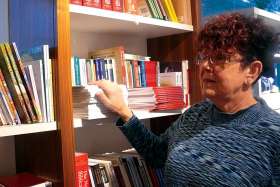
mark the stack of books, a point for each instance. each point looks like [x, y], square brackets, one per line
[156, 98]
[86, 106]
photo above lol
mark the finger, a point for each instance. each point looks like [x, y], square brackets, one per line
[104, 85]
[103, 99]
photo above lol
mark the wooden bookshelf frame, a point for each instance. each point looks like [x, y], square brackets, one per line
[51, 154]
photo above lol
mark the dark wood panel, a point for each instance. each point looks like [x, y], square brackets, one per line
[176, 48]
[40, 154]
[180, 47]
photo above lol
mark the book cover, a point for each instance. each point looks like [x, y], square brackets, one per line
[13, 86]
[28, 103]
[7, 95]
[130, 6]
[92, 3]
[106, 4]
[183, 11]
[23, 180]
[35, 106]
[41, 52]
[117, 5]
[143, 9]
[81, 170]
[76, 2]
[37, 67]
[117, 53]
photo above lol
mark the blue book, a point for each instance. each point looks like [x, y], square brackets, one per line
[77, 71]
[142, 73]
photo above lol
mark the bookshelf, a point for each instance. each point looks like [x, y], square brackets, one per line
[49, 151]
[111, 22]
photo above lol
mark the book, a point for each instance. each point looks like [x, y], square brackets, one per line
[7, 95]
[34, 104]
[106, 4]
[130, 6]
[13, 86]
[143, 9]
[92, 3]
[81, 170]
[117, 53]
[41, 52]
[38, 69]
[76, 2]
[24, 180]
[117, 5]
[169, 9]
[183, 11]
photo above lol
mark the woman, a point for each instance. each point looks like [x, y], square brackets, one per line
[232, 138]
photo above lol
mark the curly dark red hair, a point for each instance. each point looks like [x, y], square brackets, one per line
[248, 36]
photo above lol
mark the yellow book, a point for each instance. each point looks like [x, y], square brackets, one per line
[169, 9]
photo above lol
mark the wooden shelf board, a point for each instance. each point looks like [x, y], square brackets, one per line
[11, 130]
[96, 20]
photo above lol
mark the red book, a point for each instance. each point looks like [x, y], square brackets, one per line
[151, 73]
[22, 180]
[77, 2]
[92, 3]
[117, 5]
[107, 4]
[81, 170]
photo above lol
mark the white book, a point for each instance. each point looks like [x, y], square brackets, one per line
[38, 69]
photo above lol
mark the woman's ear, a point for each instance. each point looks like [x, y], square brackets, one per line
[254, 70]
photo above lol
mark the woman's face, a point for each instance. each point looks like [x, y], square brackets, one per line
[222, 79]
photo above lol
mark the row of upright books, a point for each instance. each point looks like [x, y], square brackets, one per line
[25, 85]
[116, 170]
[171, 10]
[132, 70]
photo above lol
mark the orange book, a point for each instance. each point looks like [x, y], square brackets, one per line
[92, 3]
[130, 6]
[117, 5]
[183, 11]
[106, 4]
[77, 2]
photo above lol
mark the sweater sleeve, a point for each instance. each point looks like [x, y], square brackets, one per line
[151, 147]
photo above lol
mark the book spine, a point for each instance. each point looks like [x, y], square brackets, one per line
[142, 73]
[77, 71]
[35, 106]
[106, 4]
[13, 86]
[92, 3]
[76, 2]
[117, 5]
[28, 104]
[9, 98]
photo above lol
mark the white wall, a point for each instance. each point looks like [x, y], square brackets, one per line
[83, 42]
[101, 136]
[4, 20]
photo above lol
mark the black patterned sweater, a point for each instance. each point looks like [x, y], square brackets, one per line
[206, 147]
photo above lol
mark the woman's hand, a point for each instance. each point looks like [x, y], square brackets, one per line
[112, 97]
